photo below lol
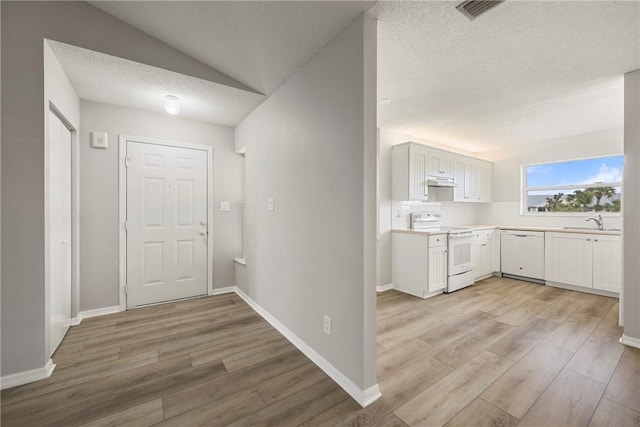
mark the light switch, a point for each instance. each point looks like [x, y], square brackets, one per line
[270, 205]
[99, 139]
[225, 206]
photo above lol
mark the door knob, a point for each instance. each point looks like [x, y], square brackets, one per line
[202, 233]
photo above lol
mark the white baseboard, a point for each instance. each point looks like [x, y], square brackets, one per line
[630, 341]
[384, 288]
[20, 378]
[363, 397]
[226, 290]
[94, 313]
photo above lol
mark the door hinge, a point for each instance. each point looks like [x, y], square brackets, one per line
[127, 161]
[126, 225]
[126, 290]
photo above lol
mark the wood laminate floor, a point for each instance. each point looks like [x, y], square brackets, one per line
[500, 353]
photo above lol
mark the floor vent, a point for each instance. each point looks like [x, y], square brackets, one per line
[474, 8]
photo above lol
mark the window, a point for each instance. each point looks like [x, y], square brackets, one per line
[587, 185]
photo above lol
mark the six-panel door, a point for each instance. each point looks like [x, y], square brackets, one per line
[166, 223]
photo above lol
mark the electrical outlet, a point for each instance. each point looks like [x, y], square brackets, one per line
[327, 325]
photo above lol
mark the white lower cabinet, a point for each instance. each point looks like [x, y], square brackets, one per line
[585, 260]
[438, 259]
[483, 254]
[419, 263]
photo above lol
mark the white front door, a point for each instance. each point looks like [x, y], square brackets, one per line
[166, 223]
[59, 177]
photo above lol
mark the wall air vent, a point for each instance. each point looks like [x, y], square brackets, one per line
[474, 8]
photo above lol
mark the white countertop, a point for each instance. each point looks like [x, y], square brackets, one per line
[519, 227]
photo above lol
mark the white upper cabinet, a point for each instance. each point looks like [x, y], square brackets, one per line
[484, 183]
[440, 164]
[412, 164]
[409, 172]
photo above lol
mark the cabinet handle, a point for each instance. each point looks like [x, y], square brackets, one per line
[588, 240]
[520, 235]
[484, 245]
[595, 240]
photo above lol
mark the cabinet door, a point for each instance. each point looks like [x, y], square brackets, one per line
[568, 259]
[459, 178]
[470, 183]
[418, 189]
[484, 184]
[440, 164]
[437, 268]
[482, 251]
[447, 166]
[607, 263]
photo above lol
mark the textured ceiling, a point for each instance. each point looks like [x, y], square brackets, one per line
[524, 71]
[259, 43]
[111, 80]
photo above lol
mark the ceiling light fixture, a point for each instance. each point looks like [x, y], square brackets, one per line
[172, 104]
[384, 101]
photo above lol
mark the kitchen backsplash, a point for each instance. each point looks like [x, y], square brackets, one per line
[452, 213]
[401, 211]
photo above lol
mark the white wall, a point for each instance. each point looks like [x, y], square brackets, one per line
[99, 193]
[311, 146]
[631, 206]
[507, 162]
[24, 27]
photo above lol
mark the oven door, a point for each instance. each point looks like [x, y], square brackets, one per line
[459, 254]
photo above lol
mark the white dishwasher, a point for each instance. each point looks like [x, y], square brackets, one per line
[522, 254]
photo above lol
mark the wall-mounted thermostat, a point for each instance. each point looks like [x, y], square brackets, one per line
[99, 139]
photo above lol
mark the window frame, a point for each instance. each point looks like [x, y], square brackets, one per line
[524, 189]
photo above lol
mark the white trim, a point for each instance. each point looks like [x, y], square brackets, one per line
[363, 397]
[25, 377]
[384, 288]
[593, 291]
[630, 341]
[242, 261]
[222, 291]
[122, 197]
[95, 313]
[74, 164]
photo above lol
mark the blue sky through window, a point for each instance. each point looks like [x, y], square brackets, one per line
[575, 172]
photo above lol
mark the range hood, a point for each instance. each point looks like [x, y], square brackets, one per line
[439, 181]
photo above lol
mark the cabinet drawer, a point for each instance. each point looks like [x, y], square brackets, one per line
[437, 240]
[483, 234]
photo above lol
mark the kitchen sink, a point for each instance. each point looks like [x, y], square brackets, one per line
[591, 229]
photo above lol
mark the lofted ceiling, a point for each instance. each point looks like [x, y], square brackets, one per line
[525, 71]
[111, 80]
[259, 43]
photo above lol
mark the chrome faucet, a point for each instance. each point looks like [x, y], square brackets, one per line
[597, 220]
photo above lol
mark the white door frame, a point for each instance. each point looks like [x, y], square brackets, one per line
[122, 182]
[75, 222]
